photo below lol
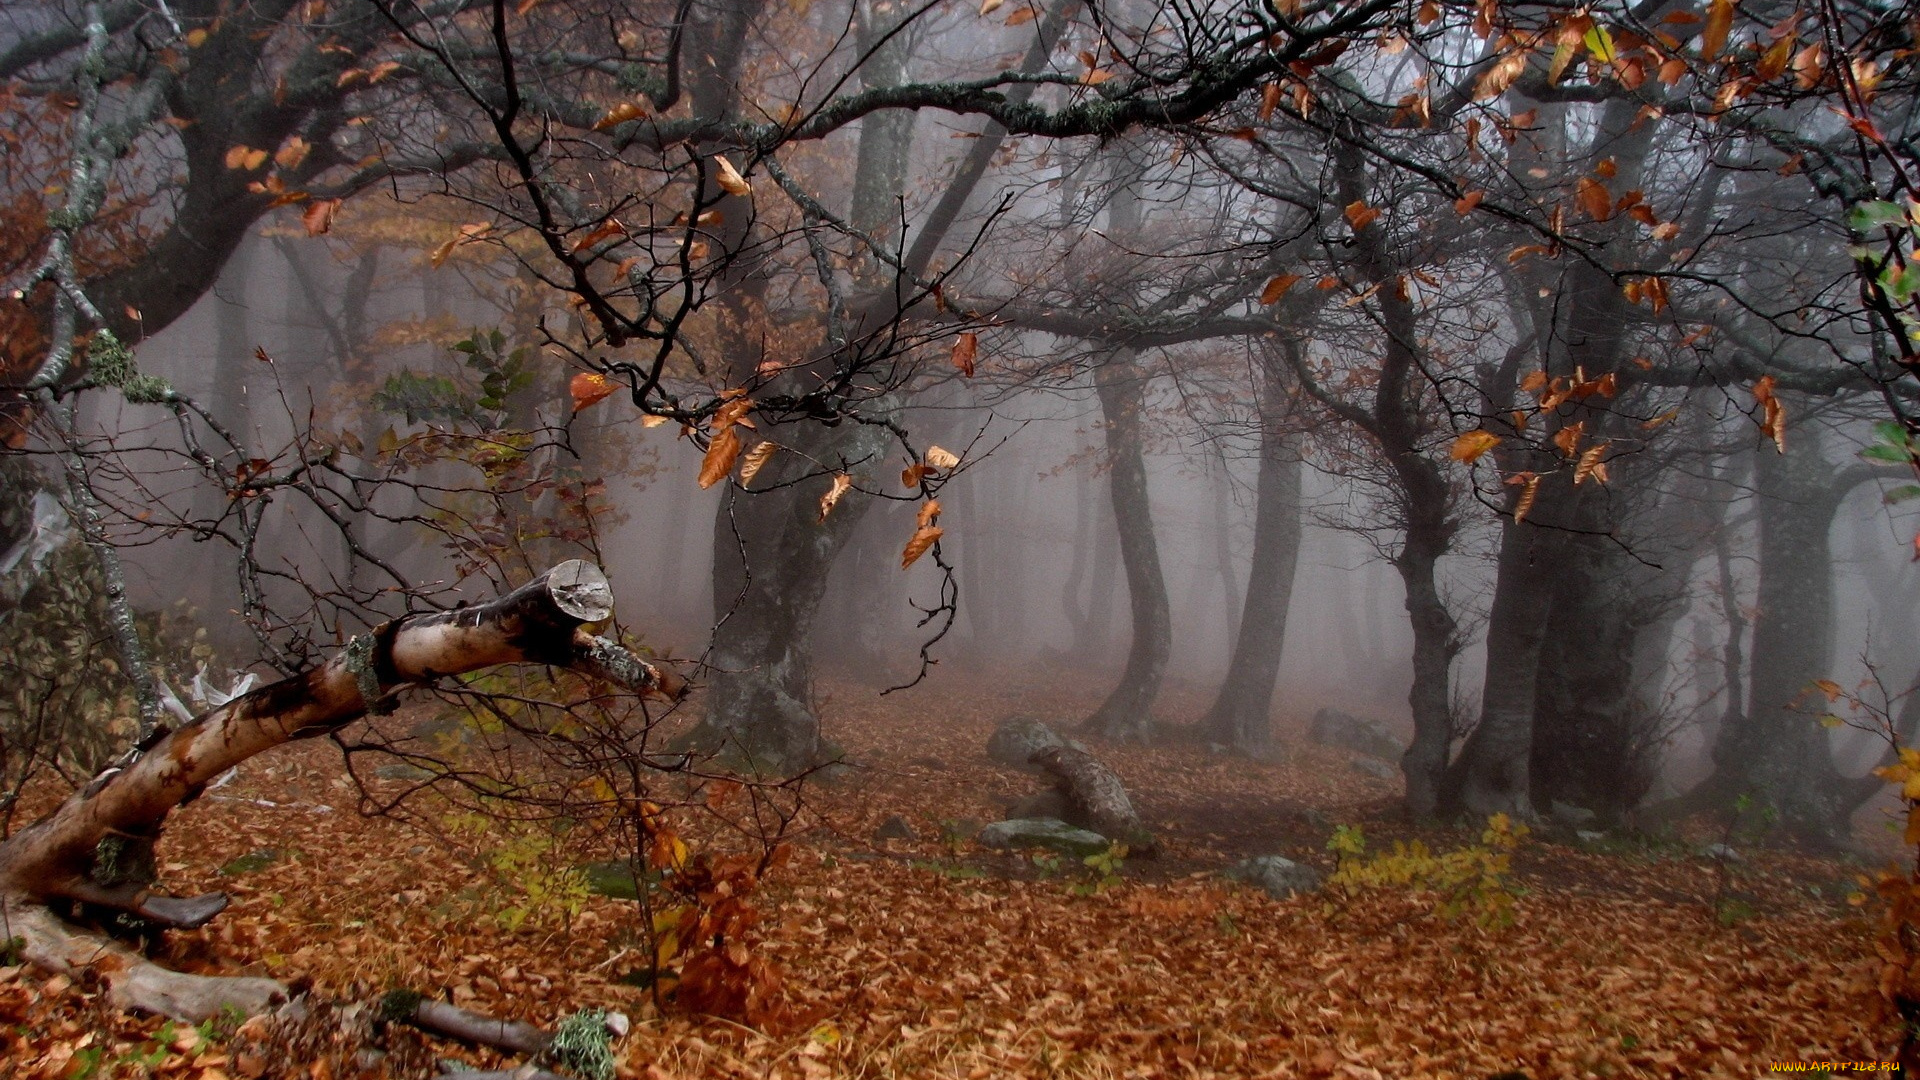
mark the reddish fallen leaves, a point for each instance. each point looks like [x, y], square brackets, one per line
[1616, 966]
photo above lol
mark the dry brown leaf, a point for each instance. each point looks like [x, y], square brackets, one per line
[721, 453]
[1360, 215]
[965, 347]
[831, 499]
[929, 512]
[988, 7]
[1590, 464]
[292, 152]
[318, 216]
[757, 457]
[1465, 203]
[1527, 495]
[941, 459]
[729, 178]
[922, 540]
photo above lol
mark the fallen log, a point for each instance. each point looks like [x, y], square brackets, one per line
[80, 852]
[1095, 797]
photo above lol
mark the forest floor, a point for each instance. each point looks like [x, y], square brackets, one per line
[933, 958]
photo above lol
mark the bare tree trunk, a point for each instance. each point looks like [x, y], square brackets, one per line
[1241, 714]
[1435, 637]
[73, 853]
[1127, 712]
[1231, 599]
[1491, 775]
[1777, 754]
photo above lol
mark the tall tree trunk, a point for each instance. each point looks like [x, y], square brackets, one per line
[1231, 600]
[1435, 633]
[1127, 712]
[1241, 714]
[771, 558]
[1777, 754]
[1491, 775]
[772, 553]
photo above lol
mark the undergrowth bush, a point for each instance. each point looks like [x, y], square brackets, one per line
[1470, 880]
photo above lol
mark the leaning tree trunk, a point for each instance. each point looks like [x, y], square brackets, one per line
[1127, 712]
[80, 852]
[1241, 714]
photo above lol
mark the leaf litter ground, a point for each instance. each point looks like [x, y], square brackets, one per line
[933, 958]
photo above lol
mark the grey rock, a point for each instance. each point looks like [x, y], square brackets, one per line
[1331, 727]
[1588, 836]
[1049, 833]
[1018, 738]
[1572, 817]
[1374, 767]
[895, 828]
[1050, 803]
[1721, 853]
[1316, 820]
[1279, 877]
[400, 770]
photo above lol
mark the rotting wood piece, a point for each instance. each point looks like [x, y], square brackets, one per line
[53, 859]
[1096, 799]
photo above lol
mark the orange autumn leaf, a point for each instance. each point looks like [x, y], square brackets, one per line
[1359, 214]
[292, 153]
[589, 387]
[1465, 203]
[1594, 198]
[941, 459]
[1277, 287]
[620, 114]
[1719, 23]
[965, 348]
[923, 539]
[1471, 445]
[318, 216]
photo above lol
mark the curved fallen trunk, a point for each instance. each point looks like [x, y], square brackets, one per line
[82, 850]
[1095, 797]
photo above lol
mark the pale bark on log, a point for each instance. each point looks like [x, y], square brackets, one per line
[1096, 799]
[55, 858]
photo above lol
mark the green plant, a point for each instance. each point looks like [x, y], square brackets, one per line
[582, 1047]
[526, 861]
[1473, 879]
[1103, 870]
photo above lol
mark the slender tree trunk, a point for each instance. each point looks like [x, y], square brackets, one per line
[1127, 712]
[1435, 633]
[1241, 714]
[1231, 600]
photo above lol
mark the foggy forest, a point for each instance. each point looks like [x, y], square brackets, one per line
[656, 539]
